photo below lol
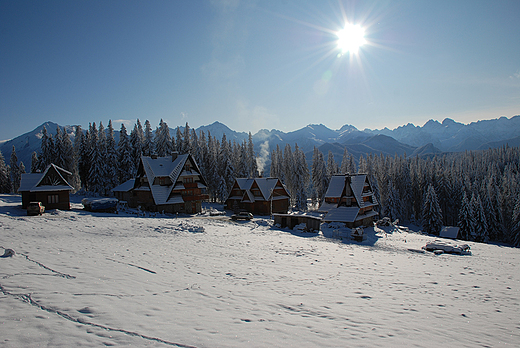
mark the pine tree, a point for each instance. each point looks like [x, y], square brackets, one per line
[481, 226]
[137, 139]
[125, 163]
[77, 149]
[332, 167]
[187, 143]
[225, 168]
[252, 165]
[34, 162]
[432, 216]
[15, 171]
[97, 149]
[163, 140]
[67, 151]
[5, 181]
[393, 204]
[515, 231]
[59, 159]
[147, 143]
[179, 141]
[301, 179]
[319, 175]
[111, 161]
[466, 218]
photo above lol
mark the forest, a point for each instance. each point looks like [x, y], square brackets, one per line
[478, 191]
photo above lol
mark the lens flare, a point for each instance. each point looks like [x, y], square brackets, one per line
[351, 38]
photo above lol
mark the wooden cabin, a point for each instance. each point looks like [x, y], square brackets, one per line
[171, 184]
[261, 196]
[51, 188]
[350, 200]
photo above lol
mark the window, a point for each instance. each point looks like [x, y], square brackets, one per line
[53, 199]
[188, 180]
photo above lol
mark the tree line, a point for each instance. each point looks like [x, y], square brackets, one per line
[478, 191]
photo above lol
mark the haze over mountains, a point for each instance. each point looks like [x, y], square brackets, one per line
[433, 137]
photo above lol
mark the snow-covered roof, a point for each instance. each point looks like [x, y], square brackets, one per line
[265, 185]
[336, 186]
[124, 187]
[33, 182]
[325, 207]
[342, 214]
[449, 232]
[29, 180]
[357, 182]
[162, 167]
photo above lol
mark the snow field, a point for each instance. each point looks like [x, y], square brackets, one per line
[83, 279]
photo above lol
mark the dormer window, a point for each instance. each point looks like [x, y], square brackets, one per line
[188, 180]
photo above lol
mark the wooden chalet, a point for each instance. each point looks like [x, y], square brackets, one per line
[350, 200]
[50, 187]
[261, 196]
[173, 184]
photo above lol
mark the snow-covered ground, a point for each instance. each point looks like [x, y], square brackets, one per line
[93, 279]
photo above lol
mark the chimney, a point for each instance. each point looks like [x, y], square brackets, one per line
[154, 156]
[175, 154]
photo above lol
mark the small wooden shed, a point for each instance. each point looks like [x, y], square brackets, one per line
[312, 223]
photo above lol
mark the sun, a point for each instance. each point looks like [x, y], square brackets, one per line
[351, 38]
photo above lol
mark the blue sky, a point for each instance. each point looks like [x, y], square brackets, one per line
[256, 64]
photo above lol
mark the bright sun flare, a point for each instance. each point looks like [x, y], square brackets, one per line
[351, 38]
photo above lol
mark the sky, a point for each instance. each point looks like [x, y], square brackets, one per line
[256, 64]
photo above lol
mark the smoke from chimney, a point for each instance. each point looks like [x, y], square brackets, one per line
[264, 156]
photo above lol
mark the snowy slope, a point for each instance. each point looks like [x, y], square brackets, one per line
[83, 279]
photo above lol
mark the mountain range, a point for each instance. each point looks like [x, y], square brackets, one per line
[432, 138]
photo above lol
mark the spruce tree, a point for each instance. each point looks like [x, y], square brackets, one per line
[432, 216]
[5, 181]
[111, 161]
[515, 231]
[15, 171]
[34, 162]
[125, 163]
[481, 227]
[466, 218]
[147, 142]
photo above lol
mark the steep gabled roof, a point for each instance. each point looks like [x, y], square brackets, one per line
[165, 167]
[39, 182]
[336, 186]
[265, 185]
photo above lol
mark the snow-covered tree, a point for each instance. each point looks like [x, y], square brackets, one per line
[81, 154]
[15, 171]
[393, 203]
[300, 180]
[97, 147]
[5, 181]
[319, 175]
[515, 231]
[147, 140]
[126, 167]
[481, 226]
[466, 218]
[163, 142]
[137, 139]
[432, 216]
[111, 161]
[34, 162]
[332, 166]
[187, 143]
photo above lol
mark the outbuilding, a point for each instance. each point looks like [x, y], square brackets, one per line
[51, 188]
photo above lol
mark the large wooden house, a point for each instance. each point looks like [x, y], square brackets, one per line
[171, 184]
[350, 200]
[51, 188]
[261, 196]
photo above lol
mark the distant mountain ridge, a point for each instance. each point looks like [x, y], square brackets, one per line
[433, 137]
